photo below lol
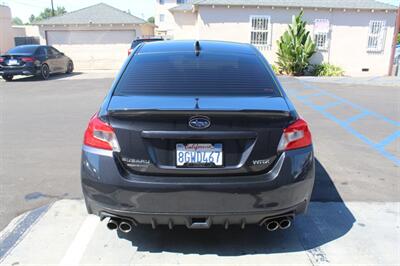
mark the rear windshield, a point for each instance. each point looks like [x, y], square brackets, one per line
[22, 50]
[184, 73]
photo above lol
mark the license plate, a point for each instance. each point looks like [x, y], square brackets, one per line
[198, 155]
[13, 62]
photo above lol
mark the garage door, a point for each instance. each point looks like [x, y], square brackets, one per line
[93, 49]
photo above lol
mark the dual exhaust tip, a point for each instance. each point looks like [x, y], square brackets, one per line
[123, 225]
[282, 223]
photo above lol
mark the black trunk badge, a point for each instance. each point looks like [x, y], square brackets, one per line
[199, 122]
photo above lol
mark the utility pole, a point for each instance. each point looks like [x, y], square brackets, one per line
[52, 8]
[396, 32]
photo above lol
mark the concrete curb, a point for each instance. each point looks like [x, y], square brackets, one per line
[18, 228]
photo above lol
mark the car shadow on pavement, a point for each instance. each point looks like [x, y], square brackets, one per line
[52, 77]
[327, 219]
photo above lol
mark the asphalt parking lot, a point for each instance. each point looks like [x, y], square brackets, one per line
[353, 219]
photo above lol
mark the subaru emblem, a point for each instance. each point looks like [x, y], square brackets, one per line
[199, 122]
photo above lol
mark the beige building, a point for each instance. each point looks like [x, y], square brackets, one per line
[95, 37]
[6, 41]
[355, 35]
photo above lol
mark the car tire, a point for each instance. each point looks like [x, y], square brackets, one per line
[44, 72]
[70, 67]
[8, 77]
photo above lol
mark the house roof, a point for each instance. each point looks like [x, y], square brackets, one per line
[97, 14]
[349, 4]
[182, 7]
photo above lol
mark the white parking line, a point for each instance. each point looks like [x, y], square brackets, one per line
[81, 240]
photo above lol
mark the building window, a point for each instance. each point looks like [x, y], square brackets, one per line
[260, 31]
[321, 41]
[321, 34]
[162, 17]
[181, 2]
[162, 2]
[376, 36]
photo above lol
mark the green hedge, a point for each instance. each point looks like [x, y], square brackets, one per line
[327, 70]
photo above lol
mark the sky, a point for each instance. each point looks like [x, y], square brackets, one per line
[140, 8]
[24, 8]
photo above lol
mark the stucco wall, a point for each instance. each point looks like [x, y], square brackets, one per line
[6, 34]
[349, 43]
[145, 30]
[185, 26]
[168, 25]
[349, 33]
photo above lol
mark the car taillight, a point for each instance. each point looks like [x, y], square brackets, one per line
[100, 135]
[130, 51]
[296, 135]
[28, 59]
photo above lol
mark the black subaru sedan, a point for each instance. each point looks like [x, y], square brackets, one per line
[197, 134]
[36, 60]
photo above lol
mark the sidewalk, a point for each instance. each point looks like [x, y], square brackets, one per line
[379, 81]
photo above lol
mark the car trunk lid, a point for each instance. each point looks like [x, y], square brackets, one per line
[248, 128]
[13, 60]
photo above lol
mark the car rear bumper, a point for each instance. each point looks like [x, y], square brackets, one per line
[18, 71]
[286, 189]
[208, 219]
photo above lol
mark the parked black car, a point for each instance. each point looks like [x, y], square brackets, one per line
[197, 134]
[139, 41]
[37, 60]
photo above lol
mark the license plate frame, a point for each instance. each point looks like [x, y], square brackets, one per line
[12, 62]
[199, 155]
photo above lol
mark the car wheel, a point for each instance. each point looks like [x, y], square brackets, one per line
[44, 71]
[70, 67]
[8, 77]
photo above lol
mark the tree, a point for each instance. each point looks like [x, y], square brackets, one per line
[398, 38]
[150, 20]
[17, 21]
[47, 13]
[295, 48]
[32, 18]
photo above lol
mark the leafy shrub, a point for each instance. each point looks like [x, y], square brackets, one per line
[275, 69]
[295, 48]
[327, 70]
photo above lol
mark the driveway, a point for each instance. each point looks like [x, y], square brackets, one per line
[352, 217]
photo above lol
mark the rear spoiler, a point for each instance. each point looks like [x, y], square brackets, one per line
[215, 113]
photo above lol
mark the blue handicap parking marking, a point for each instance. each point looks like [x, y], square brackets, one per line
[356, 117]
[347, 123]
[310, 95]
[388, 140]
[329, 105]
